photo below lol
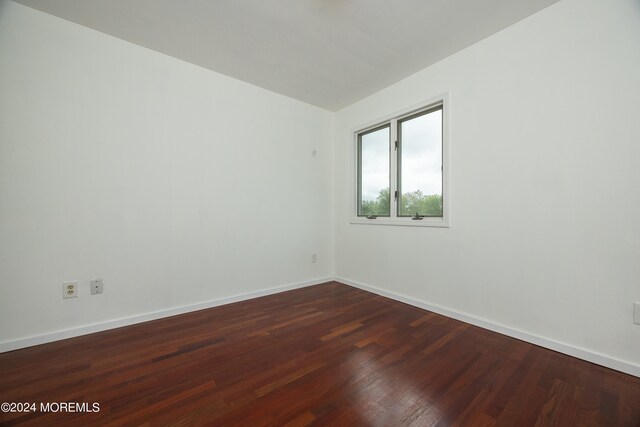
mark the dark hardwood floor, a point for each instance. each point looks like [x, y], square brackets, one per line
[323, 355]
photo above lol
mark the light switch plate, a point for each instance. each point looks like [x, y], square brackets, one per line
[636, 313]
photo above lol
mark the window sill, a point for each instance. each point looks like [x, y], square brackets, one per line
[408, 222]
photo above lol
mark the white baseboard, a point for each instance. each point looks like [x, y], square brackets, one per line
[139, 318]
[581, 353]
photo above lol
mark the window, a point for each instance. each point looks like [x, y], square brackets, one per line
[373, 172]
[401, 169]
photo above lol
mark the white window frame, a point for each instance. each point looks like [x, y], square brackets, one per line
[393, 119]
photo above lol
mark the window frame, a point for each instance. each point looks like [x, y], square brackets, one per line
[394, 156]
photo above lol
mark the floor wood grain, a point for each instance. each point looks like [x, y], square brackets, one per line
[324, 355]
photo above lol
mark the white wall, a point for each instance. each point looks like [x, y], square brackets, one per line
[174, 184]
[545, 182]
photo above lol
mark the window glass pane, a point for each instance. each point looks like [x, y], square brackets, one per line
[373, 173]
[420, 166]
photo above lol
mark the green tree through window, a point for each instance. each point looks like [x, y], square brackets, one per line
[380, 206]
[423, 205]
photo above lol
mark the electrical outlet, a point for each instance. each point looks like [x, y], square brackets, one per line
[96, 286]
[636, 313]
[314, 258]
[70, 290]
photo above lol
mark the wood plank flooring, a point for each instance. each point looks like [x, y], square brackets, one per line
[324, 355]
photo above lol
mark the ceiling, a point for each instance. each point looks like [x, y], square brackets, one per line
[328, 53]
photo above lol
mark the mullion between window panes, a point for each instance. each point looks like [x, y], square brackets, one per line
[393, 169]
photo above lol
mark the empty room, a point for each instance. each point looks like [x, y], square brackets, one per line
[320, 213]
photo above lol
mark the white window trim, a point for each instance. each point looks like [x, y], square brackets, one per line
[446, 190]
